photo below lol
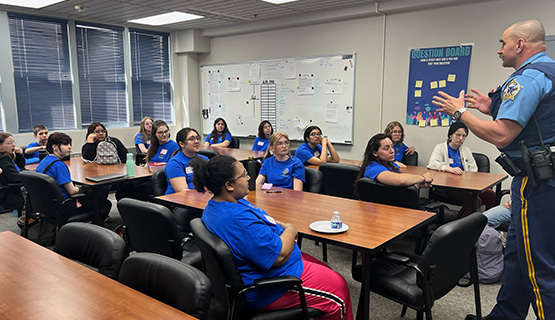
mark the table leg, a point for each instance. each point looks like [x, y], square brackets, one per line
[363, 310]
[475, 201]
[96, 207]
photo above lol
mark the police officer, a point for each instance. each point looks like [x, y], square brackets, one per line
[521, 106]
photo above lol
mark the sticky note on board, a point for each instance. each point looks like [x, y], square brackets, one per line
[418, 84]
[444, 122]
[417, 93]
[433, 85]
[451, 77]
[433, 123]
[442, 83]
[422, 123]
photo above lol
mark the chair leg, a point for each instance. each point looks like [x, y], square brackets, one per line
[325, 252]
[404, 311]
[420, 315]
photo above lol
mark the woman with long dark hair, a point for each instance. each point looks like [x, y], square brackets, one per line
[265, 131]
[96, 133]
[220, 135]
[161, 146]
[317, 149]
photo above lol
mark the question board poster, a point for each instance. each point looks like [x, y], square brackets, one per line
[432, 70]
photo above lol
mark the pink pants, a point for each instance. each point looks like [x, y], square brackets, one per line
[324, 289]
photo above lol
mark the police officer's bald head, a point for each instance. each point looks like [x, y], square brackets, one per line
[529, 30]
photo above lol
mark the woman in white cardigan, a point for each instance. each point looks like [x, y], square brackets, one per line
[456, 158]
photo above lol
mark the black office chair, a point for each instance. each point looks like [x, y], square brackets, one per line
[208, 153]
[235, 143]
[417, 281]
[159, 182]
[47, 203]
[11, 198]
[139, 156]
[314, 180]
[150, 227]
[253, 168]
[339, 179]
[292, 151]
[228, 286]
[96, 247]
[410, 159]
[172, 282]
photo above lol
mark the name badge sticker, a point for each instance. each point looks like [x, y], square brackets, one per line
[188, 170]
[163, 152]
[270, 219]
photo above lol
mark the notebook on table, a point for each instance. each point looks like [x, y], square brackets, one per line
[106, 177]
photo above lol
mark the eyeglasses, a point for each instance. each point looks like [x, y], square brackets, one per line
[244, 175]
[163, 132]
[396, 132]
[9, 143]
[193, 139]
[316, 134]
[99, 131]
[282, 143]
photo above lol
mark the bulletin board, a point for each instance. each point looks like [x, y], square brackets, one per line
[291, 93]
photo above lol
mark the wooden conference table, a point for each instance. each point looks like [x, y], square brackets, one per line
[37, 283]
[371, 226]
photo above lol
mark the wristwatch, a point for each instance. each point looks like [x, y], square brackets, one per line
[458, 113]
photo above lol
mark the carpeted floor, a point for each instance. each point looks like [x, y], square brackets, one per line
[455, 305]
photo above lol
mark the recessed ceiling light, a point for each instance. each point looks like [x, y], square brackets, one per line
[35, 4]
[166, 18]
[279, 1]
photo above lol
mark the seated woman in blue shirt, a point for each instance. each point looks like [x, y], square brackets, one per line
[279, 167]
[220, 136]
[378, 164]
[59, 147]
[265, 130]
[264, 247]
[395, 130]
[142, 138]
[317, 149]
[161, 146]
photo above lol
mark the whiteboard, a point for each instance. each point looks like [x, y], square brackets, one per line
[290, 93]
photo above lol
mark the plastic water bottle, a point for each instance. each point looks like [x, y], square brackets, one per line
[336, 222]
[130, 165]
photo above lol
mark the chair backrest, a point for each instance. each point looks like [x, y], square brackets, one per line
[159, 182]
[96, 247]
[314, 180]
[339, 179]
[253, 168]
[410, 159]
[482, 161]
[219, 263]
[150, 227]
[372, 191]
[208, 153]
[292, 151]
[451, 251]
[235, 143]
[43, 192]
[170, 281]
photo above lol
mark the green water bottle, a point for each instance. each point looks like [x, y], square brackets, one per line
[130, 165]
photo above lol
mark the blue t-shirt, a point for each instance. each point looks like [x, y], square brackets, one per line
[454, 157]
[58, 171]
[221, 139]
[260, 144]
[33, 157]
[374, 169]
[399, 151]
[142, 139]
[281, 174]
[254, 240]
[304, 152]
[164, 152]
[178, 166]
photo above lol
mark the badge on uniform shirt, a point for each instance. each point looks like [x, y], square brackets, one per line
[261, 143]
[285, 172]
[511, 90]
[188, 170]
[451, 161]
[317, 153]
[270, 219]
[163, 152]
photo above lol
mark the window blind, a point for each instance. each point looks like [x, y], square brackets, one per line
[150, 79]
[42, 72]
[101, 74]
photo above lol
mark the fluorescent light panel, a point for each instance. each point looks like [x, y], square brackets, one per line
[35, 4]
[279, 1]
[166, 18]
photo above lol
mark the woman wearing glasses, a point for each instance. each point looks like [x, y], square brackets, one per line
[452, 156]
[96, 133]
[317, 149]
[395, 130]
[279, 167]
[12, 162]
[161, 145]
[264, 247]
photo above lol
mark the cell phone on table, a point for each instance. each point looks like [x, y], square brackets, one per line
[274, 191]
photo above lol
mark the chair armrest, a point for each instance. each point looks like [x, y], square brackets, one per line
[440, 207]
[277, 281]
[500, 195]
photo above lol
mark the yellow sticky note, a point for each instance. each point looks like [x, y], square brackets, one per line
[433, 123]
[444, 122]
[417, 93]
[451, 77]
[418, 84]
[442, 83]
[422, 123]
[433, 85]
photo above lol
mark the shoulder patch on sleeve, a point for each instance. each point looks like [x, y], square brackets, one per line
[511, 90]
